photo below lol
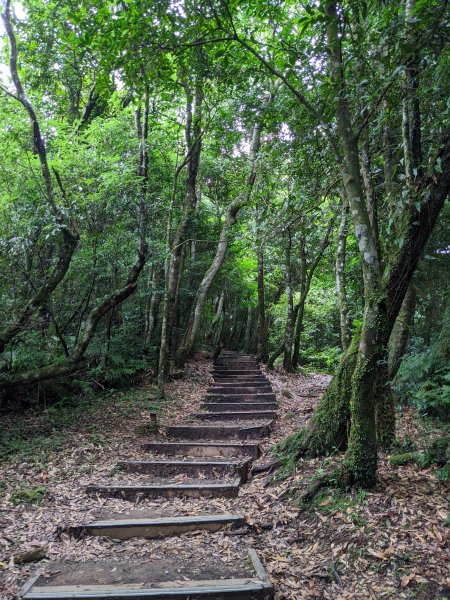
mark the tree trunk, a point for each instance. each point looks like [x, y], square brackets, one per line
[340, 277]
[360, 463]
[289, 330]
[248, 331]
[193, 143]
[400, 333]
[187, 344]
[306, 280]
[263, 346]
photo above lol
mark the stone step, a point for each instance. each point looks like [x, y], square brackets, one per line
[219, 432]
[198, 489]
[242, 415]
[127, 528]
[172, 468]
[204, 449]
[101, 580]
[236, 406]
[240, 397]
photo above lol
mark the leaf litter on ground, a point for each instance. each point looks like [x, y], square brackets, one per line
[390, 542]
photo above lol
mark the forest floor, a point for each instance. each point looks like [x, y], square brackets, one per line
[386, 543]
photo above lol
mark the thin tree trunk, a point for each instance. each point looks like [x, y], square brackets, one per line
[340, 277]
[248, 330]
[289, 330]
[194, 321]
[263, 346]
[400, 333]
[193, 143]
[305, 286]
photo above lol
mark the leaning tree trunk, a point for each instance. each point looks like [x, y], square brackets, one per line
[400, 333]
[306, 280]
[263, 344]
[187, 344]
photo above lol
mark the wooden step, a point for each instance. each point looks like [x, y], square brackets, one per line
[172, 468]
[127, 528]
[242, 415]
[204, 449]
[236, 406]
[219, 432]
[239, 389]
[193, 490]
[233, 371]
[240, 383]
[64, 583]
[238, 397]
[240, 379]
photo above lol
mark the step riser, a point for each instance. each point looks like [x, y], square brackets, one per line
[235, 416]
[241, 378]
[236, 406]
[183, 468]
[237, 364]
[206, 451]
[250, 372]
[218, 433]
[127, 532]
[162, 492]
[240, 389]
[258, 386]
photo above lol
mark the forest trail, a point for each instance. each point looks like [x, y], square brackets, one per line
[209, 456]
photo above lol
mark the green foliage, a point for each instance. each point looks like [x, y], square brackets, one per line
[28, 495]
[417, 384]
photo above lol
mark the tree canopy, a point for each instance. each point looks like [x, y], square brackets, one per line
[264, 176]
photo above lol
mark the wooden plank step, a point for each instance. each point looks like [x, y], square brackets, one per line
[204, 449]
[241, 383]
[234, 363]
[213, 397]
[193, 490]
[219, 432]
[66, 586]
[236, 406]
[241, 376]
[241, 415]
[171, 468]
[125, 529]
[239, 389]
[234, 371]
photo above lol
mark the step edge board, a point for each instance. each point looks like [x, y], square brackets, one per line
[182, 520]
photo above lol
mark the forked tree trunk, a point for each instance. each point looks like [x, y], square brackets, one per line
[383, 298]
